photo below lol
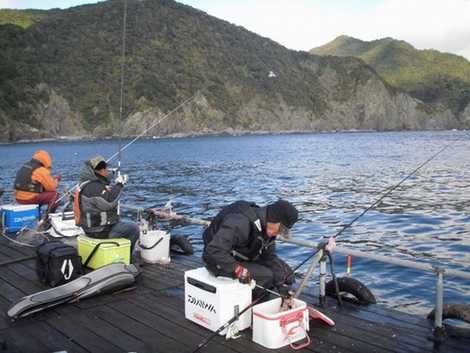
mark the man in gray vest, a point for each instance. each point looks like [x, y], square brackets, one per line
[96, 204]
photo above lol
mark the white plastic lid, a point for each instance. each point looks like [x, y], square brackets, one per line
[19, 207]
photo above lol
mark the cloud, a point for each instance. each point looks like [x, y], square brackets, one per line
[34, 4]
[304, 24]
[7, 4]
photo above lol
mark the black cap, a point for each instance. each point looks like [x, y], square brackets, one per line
[283, 212]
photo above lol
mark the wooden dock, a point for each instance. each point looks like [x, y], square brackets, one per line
[150, 318]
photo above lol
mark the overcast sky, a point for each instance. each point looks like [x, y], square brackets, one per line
[303, 24]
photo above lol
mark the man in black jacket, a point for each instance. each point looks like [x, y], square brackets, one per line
[96, 207]
[240, 243]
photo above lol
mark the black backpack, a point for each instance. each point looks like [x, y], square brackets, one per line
[57, 263]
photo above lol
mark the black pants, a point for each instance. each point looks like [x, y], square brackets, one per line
[262, 274]
[267, 274]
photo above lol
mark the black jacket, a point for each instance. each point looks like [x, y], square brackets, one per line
[98, 203]
[237, 234]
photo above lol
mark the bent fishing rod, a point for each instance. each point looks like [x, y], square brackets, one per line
[387, 192]
[138, 137]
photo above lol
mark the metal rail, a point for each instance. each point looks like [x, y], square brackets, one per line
[386, 259]
[438, 270]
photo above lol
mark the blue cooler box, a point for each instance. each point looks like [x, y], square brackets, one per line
[15, 217]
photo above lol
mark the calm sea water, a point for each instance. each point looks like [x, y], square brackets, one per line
[330, 177]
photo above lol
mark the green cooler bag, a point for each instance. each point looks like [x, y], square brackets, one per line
[96, 253]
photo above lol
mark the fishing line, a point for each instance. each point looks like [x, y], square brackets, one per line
[166, 116]
[121, 100]
[387, 192]
[122, 104]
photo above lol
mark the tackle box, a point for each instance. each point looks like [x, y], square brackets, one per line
[106, 251]
[273, 328]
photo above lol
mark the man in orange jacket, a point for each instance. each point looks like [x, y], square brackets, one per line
[34, 183]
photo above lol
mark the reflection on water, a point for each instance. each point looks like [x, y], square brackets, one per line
[332, 178]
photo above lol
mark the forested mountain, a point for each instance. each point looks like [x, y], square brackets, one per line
[428, 75]
[60, 76]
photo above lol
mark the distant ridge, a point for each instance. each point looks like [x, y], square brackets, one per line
[428, 75]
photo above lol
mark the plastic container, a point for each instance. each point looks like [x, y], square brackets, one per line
[155, 246]
[109, 251]
[63, 225]
[212, 301]
[274, 329]
[15, 217]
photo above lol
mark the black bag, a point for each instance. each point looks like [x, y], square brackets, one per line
[57, 263]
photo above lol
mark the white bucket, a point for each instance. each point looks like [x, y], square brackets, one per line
[274, 329]
[155, 246]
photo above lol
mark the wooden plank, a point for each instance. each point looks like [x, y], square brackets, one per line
[373, 334]
[157, 280]
[24, 285]
[25, 271]
[10, 293]
[383, 314]
[18, 341]
[49, 338]
[82, 335]
[152, 328]
[107, 330]
[14, 250]
[5, 321]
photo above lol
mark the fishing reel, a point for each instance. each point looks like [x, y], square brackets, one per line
[113, 171]
[287, 297]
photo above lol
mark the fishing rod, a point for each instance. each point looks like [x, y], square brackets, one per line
[386, 193]
[186, 101]
[138, 137]
[228, 323]
[121, 100]
[325, 247]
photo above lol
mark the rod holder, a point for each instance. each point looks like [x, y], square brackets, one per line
[439, 333]
[322, 280]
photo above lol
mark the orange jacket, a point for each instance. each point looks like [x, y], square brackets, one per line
[41, 175]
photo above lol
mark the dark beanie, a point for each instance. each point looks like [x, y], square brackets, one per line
[282, 211]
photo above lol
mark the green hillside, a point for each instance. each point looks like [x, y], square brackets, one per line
[429, 75]
[21, 18]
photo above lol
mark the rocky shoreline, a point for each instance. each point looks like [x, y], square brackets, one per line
[228, 132]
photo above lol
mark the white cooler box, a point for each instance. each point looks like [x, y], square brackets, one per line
[275, 329]
[15, 217]
[212, 301]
